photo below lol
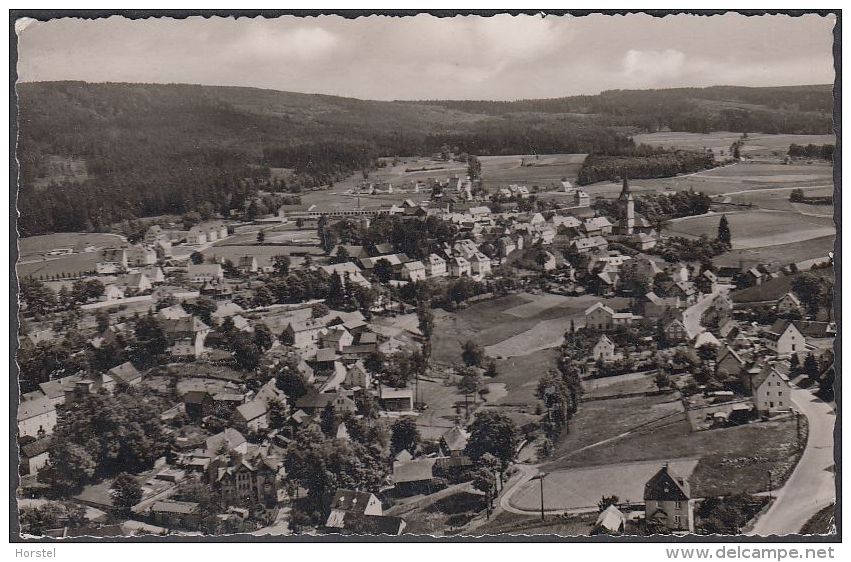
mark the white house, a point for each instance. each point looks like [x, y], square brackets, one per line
[480, 264]
[604, 350]
[413, 271]
[204, 273]
[788, 303]
[196, 235]
[36, 416]
[784, 338]
[435, 266]
[601, 317]
[770, 390]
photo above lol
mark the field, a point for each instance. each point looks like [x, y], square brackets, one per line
[758, 145]
[506, 523]
[778, 254]
[731, 460]
[582, 488]
[545, 172]
[757, 228]
[33, 261]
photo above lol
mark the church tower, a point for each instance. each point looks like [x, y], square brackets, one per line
[627, 203]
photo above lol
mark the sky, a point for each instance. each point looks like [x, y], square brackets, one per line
[423, 57]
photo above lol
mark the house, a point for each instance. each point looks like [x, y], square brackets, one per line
[361, 513]
[730, 364]
[252, 416]
[603, 318]
[435, 266]
[597, 226]
[154, 274]
[784, 338]
[604, 350]
[413, 476]
[34, 455]
[314, 402]
[154, 234]
[176, 514]
[141, 256]
[788, 304]
[459, 267]
[225, 310]
[506, 245]
[111, 293]
[549, 263]
[248, 264]
[480, 264]
[357, 376]
[246, 478]
[126, 373]
[676, 331]
[611, 521]
[135, 282]
[413, 271]
[590, 244]
[336, 338]
[667, 501]
[186, 335]
[454, 441]
[204, 273]
[36, 417]
[347, 270]
[396, 399]
[770, 389]
[196, 235]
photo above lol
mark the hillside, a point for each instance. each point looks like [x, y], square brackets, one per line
[95, 154]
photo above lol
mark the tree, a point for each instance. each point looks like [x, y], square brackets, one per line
[810, 367]
[70, 467]
[471, 381]
[277, 414]
[318, 310]
[810, 290]
[336, 292]
[493, 432]
[662, 379]
[288, 335]
[404, 436]
[126, 492]
[606, 501]
[281, 265]
[724, 235]
[150, 339]
[425, 318]
[262, 337]
[261, 237]
[291, 383]
[196, 257]
[484, 480]
[245, 351]
[491, 371]
[383, 270]
[472, 354]
[102, 321]
[39, 298]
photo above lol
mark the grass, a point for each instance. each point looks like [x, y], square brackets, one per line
[773, 289]
[820, 523]
[732, 460]
[757, 146]
[506, 523]
[758, 228]
[781, 254]
[450, 512]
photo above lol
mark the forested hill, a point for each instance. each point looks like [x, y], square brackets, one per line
[788, 109]
[95, 154]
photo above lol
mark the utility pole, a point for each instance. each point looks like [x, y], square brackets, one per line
[798, 423]
[541, 479]
[769, 485]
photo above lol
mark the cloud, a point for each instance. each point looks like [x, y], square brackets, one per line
[654, 66]
[300, 44]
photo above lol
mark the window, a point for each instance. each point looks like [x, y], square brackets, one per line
[771, 404]
[678, 505]
[677, 520]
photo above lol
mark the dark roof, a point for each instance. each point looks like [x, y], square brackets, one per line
[35, 448]
[125, 372]
[350, 500]
[666, 485]
[413, 471]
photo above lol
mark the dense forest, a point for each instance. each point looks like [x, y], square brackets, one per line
[92, 155]
[643, 162]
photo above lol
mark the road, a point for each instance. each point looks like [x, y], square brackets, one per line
[692, 315]
[811, 486]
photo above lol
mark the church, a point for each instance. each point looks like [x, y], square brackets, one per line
[630, 224]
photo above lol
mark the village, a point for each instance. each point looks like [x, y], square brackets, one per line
[291, 371]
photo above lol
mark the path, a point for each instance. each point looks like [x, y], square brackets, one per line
[693, 314]
[811, 486]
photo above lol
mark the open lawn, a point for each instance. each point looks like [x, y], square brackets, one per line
[757, 228]
[34, 245]
[445, 514]
[64, 265]
[546, 171]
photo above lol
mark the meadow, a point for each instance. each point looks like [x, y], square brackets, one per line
[757, 145]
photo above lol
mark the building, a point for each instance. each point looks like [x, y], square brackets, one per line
[36, 417]
[134, 282]
[112, 260]
[248, 264]
[667, 501]
[396, 399]
[141, 256]
[196, 235]
[604, 350]
[361, 513]
[413, 271]
[126, 373]
[249, 478]
[611, 521]
[186, 335]
[480, 264]
[204, 273]
[788, 304]
[626, 201]
[770, 389]
[459, 267]
[34, 455]
[676, 331]
[784, 338]
[252, 416]
[601, 317]
[453, 442]
[435, 266]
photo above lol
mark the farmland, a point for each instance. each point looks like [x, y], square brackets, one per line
[758, 228]
[758, 145]
[34, 261]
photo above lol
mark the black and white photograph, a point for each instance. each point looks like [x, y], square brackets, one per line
[424, 277]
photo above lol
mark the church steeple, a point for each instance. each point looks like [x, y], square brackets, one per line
[627, 201]
[625, 192]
